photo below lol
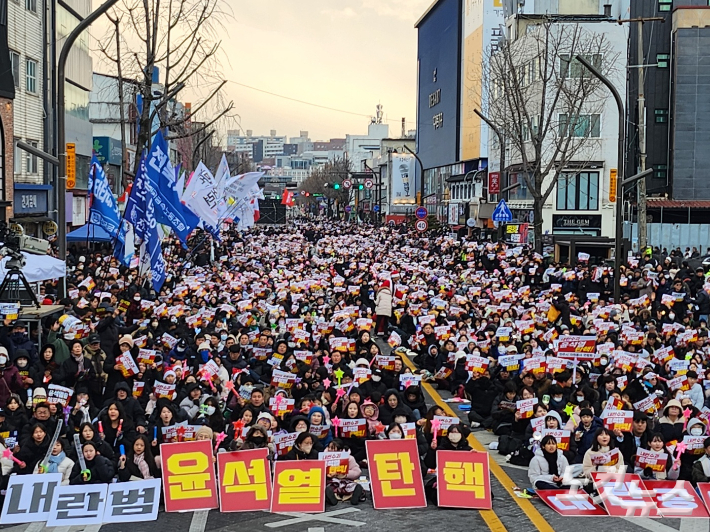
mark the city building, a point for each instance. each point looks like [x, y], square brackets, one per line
[25, 38]
[395, 187]
[360, 148]
[7, 95]
[257, 148]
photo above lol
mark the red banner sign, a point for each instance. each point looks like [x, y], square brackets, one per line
[395, 474]
[299, 486]
[624, 495]
[463, 480]
[579, 347]
[570, 504]
[493, 182]
[676, 498]
[245, 481]
[188, 476]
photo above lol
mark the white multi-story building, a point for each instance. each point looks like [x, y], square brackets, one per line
[360, 148]
[25, 40]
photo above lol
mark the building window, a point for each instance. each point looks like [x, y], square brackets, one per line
[584, 126]
[578, 192]
[32, 159]
[665, 5]
[17, 158]
[521, 192]
[15, 65]
[571, 68]
[31, 76]
[660, 171]
[661, 116]
[31, 5]
[663, 60]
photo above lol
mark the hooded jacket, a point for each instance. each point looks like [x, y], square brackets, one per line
[387, 412]
[328, 437]
[372, 422]
[131, 406]
[101, 468]
[418, 405]
[539, 469]
[670, 430]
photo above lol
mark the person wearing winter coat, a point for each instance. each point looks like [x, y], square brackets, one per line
[343, 487]
[657, 445]
[316, 418]
[672, 423]
[303, 448]
[58, 463]
[45, 371]
[131, 407]
[701, 467]
[584, 434]
[639, 437]
[191, 404]
[392, 401]
[547, 468]
[371, 413]
[455, 440]
[32, 450]
[79, 369]
[117, 427]
[603, 443]
[10, 380]
[88, 433]
[138, 462]
[383, 307]
[414, 400]
[99, 469]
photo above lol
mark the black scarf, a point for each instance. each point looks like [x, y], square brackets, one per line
[551, 459]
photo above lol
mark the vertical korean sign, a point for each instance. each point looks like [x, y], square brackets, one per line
[244, 481]
[395, 474]
[188, 476]
[463, 480]
[71, 165]
[299, 486]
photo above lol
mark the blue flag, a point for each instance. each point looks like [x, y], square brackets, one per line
[160, 184]
[136, 204]
[157, 263]
[104, 211]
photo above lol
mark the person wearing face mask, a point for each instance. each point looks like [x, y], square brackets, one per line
[257, 438]
[394, 432]
[374, 384]
[22, 363]
[303, 448]
[455, 440]
[10, 379]
[21, 340]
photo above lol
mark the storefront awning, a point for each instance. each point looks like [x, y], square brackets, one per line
[30, 219]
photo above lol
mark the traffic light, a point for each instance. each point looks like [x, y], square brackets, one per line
[360, 186]
[336, 186]
[327, 185]
[306, 194]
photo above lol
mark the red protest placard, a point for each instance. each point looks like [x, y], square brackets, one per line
[353, 428]
[299, 486]
[463, 480]
[395, 474]
[624, 495]
[188, 476]
[618, 419]
[704, 489]
[571, 504]
[244, 481]
[676, 498]
[579, 347]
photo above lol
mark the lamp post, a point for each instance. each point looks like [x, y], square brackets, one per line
[421, 176]
[61, 133]
[618, 244]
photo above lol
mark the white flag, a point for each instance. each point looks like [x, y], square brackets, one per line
[201, 196]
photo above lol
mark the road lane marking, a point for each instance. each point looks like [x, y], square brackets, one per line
[199, 520]
[328, 517]
[489, 516]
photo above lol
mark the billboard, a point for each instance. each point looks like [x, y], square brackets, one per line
[403, 184]
[482, 23]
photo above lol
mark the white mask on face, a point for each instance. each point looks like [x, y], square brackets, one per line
[298, 429]
[3, 360]
[696, 431]
[376, 378]
[210, 410]
[306, 448]
[395, 436]
[455, 437]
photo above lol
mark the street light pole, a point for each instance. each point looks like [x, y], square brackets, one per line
[421, 176]
[618, 244]
[61, 133]
[501, 142]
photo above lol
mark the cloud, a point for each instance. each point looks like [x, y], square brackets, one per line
[409, 10]
[348, 12]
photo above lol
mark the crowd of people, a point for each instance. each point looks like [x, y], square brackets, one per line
[316, 337]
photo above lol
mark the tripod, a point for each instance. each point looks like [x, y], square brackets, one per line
[10, 287]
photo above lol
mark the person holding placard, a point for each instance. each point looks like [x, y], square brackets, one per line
[603, 456]
[548, 466]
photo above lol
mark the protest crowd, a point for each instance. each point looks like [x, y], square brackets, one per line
[272, 345]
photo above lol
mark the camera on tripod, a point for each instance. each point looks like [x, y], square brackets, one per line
[14, 243]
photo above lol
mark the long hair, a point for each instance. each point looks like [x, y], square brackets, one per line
[595, 443]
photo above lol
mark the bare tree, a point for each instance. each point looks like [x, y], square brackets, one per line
[331, 173]
[179, 38]
[546, 105]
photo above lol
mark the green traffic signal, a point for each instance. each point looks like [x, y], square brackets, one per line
[360, 186]
[336, 186]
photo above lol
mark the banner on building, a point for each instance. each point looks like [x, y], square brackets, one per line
[404, 182]
[188, 476]
[463, 480]
[244, 481]
[395, 474]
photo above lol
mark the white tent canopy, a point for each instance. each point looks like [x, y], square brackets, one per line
[38, 268]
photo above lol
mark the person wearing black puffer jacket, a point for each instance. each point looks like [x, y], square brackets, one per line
[138, 462]
[131, 406]
[99, 469]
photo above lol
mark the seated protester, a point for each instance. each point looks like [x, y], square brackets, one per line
[557, 399]
[548, 466]
[657, 444]
[117, 427]
[394, 432]
[58, 463]
[373, 385]
[603, 442]
[88, 433]
[138, 463]
[256, 438]
[503, 410]
[303, 448]
[21, 360]
[82, 410]
[584, 434]
[257, 403]
[204, 433]
[638, 438]
[210, 415]
[414, 400]
[99, 469]
[430, 363]
[701, 467]
[131, 407]
[539, 410]
[191, 404]
[316, 418]
[163, 416]
[392, 402]
[481, 391]
[553, 421]
[687, 460]
[299, 423]
[371, 413]
[520, 424]
[672, 423]
[15, 413]
[32, 450]
[42, 414]
[355, 443]
[460, 376]
[44, 372]
[455, 440]
[343, 487]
